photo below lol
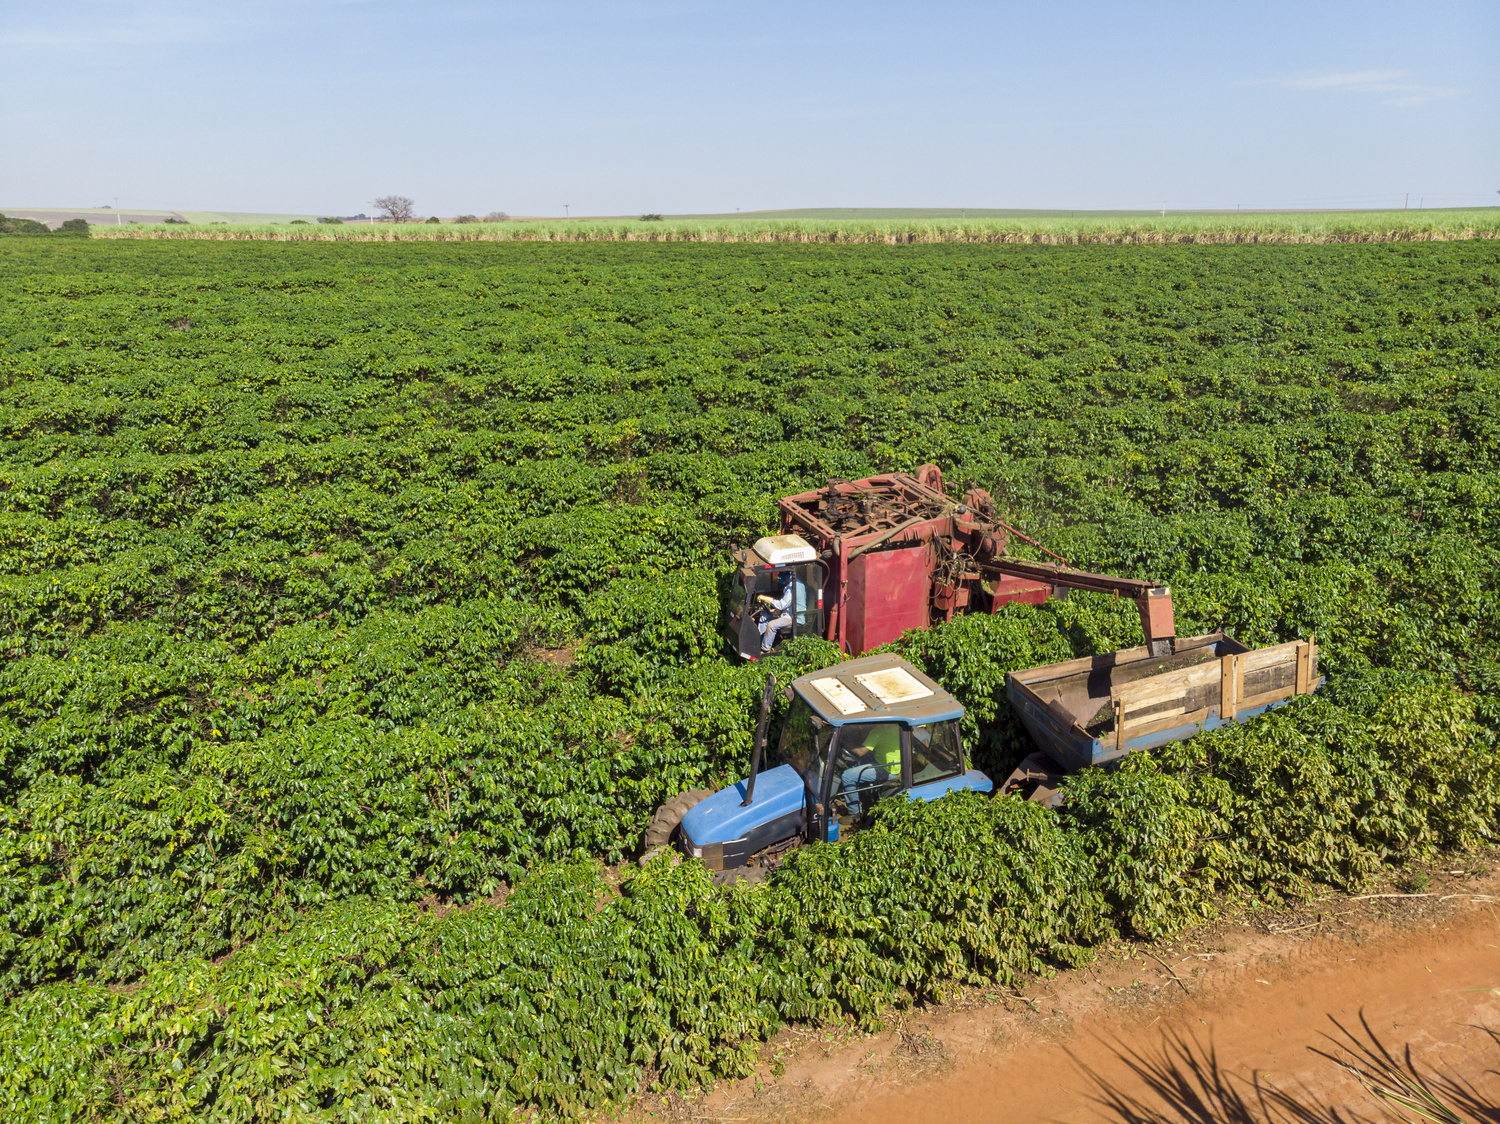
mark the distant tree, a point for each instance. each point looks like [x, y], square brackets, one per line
[433, 218]
[651, 218]
[169, 218]
[300, 222]
[12, 225]
[497, 216]
[396, 208]
[467, 218]
[75, 226]
[334, 221]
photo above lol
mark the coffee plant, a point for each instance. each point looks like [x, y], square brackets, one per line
[359, 605]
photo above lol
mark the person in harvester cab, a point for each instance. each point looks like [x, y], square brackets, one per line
[776, 614]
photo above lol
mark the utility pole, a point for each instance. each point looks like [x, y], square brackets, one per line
[566, 213]
[1407, 205]
[1163, 208]
[117, 210]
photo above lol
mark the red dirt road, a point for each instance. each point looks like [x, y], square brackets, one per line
[1235, 1022]
[1228, 1055]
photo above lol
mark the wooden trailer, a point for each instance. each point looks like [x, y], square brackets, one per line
[1094, 710]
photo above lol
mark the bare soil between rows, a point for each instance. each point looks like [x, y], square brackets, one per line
[1251, 1018]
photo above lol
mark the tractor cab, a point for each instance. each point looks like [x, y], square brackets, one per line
[777, 586]
[856, 734]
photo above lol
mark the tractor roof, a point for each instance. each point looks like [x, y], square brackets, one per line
[876, 689]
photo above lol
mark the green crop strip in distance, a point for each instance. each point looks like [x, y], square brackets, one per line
[358, 600]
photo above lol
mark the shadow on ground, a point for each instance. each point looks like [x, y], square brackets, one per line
[1183, 1081]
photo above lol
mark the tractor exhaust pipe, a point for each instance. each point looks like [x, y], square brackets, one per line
[760, 739]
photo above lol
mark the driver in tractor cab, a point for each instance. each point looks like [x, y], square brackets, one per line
[879, 761]
[776, 613]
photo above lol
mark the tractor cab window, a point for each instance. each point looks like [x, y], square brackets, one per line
[804, 744]
[936, 752]
[866, 769]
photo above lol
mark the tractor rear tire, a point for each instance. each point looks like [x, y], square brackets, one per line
[668, 818]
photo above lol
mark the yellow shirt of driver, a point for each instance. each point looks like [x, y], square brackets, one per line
[884, 742]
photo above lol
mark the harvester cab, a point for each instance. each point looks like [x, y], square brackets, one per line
[775, 566]
[856, 734]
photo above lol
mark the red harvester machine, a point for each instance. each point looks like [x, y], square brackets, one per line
[872, 558]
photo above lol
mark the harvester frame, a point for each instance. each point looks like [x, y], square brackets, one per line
[896, 552]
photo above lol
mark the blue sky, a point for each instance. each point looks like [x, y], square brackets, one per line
[618, 108]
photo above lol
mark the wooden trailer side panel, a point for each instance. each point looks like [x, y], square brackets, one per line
[1228, 683]
[1165, 702]
[1234, 688]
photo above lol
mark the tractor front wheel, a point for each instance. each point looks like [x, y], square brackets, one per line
[668, 818]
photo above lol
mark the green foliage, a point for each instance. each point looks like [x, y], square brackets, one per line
[645, 629]
[961, 889]
[370, 1007]
[1328, 793]
[9, 225]
[344, 588]
[1142, 829]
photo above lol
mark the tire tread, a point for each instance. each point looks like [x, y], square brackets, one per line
[664, 824]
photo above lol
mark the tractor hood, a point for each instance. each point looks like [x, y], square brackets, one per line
[720, 819]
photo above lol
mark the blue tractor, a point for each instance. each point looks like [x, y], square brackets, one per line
[858, 733]
[876, 728]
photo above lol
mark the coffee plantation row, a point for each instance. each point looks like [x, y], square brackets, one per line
[360, 604]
